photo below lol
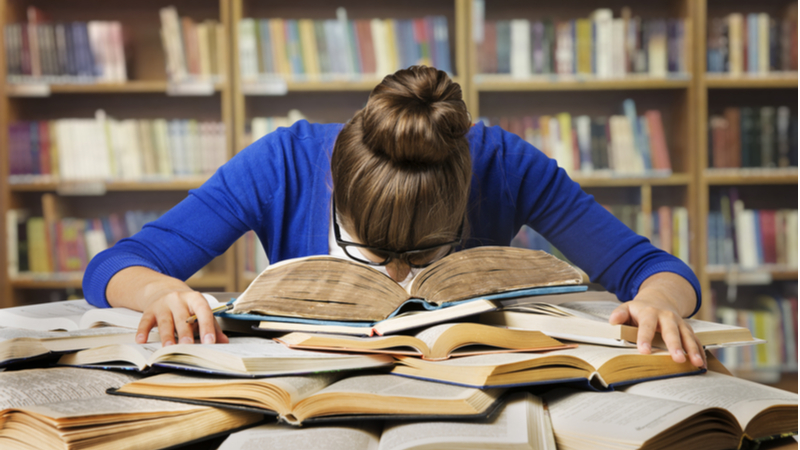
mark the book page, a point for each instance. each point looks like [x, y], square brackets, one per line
[246, 348]
[8, 333]
[612, 416]
[489, 270]
[108, 404]
[120, 317]
[515, 425]
[64, 315]
[431, 334]
[392, 385]
[42, 386]
[741, 397]
[358, 436]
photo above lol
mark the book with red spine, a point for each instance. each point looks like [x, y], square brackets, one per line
[44, 148]
[767, 227]
[658, 141]
[366, 47]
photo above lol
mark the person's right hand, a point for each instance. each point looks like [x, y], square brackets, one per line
[170, 311]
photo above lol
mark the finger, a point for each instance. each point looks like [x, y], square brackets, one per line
[220, 336]
[205, 319]
[180, 312]
[620, 315]
[692, 346]
[166, 326]
[647, 330]
[146, 324]
[671, 335]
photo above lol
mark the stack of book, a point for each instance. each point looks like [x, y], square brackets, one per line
[307, 49]
[76, 52]
[194, 51]
[45, 246]
[103, 148]
[753, 43]
[751, 238]
[599, 46]
[753, 137]
[508, 361]
[619, 145]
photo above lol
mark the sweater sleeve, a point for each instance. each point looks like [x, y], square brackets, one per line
[188, 236]
[585, 232]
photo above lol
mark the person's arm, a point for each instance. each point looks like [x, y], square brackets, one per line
[166, 302]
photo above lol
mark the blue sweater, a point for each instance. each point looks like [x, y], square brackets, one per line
[281, 187]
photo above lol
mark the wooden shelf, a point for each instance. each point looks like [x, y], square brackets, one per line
[129, 87]
[364, 85]
[779, 273]
[121, 186]
[716, 177]
[47, 281]
[211, 280]
[779, 80]
[505, 83]
[678, 179]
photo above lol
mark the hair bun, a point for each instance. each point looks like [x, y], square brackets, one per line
[416, 116]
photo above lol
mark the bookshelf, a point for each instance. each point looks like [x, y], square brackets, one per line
[767, 188]
[146, 94]
[685, 100]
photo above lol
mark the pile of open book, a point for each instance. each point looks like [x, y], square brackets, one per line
[490, 348]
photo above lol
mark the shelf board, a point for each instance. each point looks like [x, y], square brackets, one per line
[128, 87]
[275, 86]
[775, 272]
[505, 83]
[774, 81]
[677, 179]
[47, 281]
[182, 184]
[750, 176]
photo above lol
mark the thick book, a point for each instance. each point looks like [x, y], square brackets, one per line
[243, 356]
[68, 408]
[325, 288]
[584, 318]
[325, 396]
[521, 423]
[709, 411]
[435, 343]
[598, 367]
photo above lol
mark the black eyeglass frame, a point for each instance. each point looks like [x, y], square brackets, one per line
[392, 254]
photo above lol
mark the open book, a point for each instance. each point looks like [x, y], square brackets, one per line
[435, 343]
[587, 321]
[297, 399]
[67, 316]
[602, 367]
[18, 344]
[68, 408]
[329, 289]
[521, 423]
[707, 412]
[243, 356]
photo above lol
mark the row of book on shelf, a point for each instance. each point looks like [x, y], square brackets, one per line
[525, 385]
[668, 225]
[773, 319]
[64, 52]
[751, 238]
[47, 245]
[325, 48]
[753, 137]
[624, 144]
[601, 46]
[753, 43]
[193, 50]
[104, 148]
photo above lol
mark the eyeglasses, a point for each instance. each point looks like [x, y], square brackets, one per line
[417, 258]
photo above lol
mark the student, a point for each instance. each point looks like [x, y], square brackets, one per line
[407, 172]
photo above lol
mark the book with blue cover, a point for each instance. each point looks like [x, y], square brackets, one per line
[324, 290]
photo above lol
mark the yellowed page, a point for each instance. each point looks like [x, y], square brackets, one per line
[42, 386]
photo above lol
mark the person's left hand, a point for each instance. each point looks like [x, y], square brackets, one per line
[662, 302]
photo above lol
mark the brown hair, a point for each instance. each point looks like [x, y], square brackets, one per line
[401, 167]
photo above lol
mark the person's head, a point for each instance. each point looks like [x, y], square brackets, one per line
[401, 167]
